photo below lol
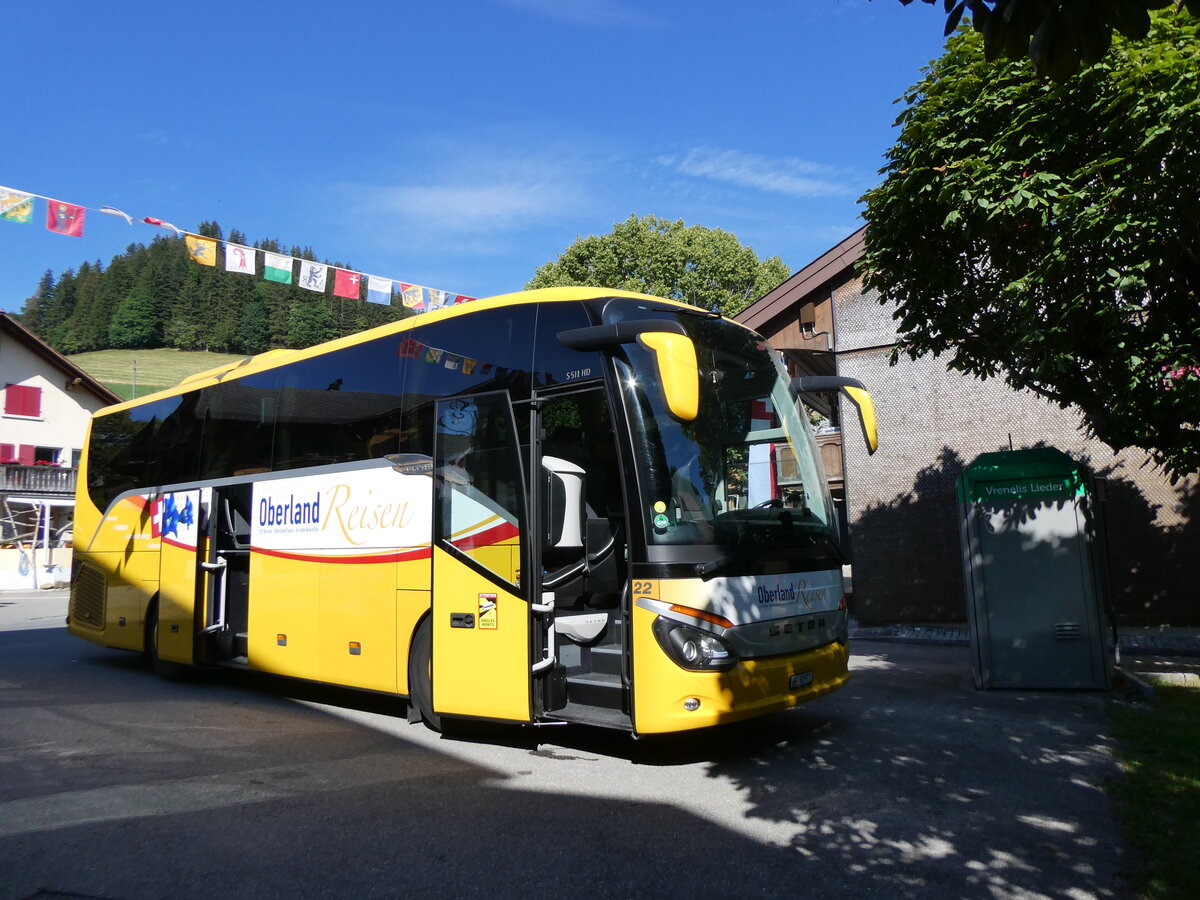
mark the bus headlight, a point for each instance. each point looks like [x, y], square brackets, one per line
[692, 648]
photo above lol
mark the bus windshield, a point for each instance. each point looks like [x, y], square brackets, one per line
[744, 474]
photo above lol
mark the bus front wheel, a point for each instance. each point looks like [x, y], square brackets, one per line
[420, 674]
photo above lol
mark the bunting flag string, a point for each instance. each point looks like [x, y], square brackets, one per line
[411, 348]
[69, 219]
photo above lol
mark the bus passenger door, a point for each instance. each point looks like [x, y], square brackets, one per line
[227, 567]
[481, 660]
[581, 525]
[179, 525]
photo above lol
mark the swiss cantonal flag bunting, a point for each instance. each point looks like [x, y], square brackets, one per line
[16, 206]
[346, 284]
[379, 290]
[64, 218]
[240, 259]
[68, 218]
[313, 275]
[277, 268]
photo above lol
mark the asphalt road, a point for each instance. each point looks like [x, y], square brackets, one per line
[908, 783]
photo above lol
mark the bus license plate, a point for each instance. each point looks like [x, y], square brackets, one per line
[802, 680]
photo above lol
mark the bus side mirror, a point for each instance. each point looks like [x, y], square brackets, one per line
[854, 391]
[675, 356]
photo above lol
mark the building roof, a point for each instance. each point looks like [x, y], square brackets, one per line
[792, 293]
[22, 335]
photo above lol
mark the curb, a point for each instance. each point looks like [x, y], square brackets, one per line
[1133, 684]
[903, 634]
[1168, 645]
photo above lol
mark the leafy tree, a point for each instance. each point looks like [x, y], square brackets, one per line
[1057, 35]
[253, 332]
[1048, 234]
[93, 313]
[133, 323]
[34, 310]
[57, 323]
[312, 322]
[706, 267]
[184, 327]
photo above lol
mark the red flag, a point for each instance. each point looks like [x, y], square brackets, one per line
[346, 284]
[64, 218]
[410, 348]
[150, 220]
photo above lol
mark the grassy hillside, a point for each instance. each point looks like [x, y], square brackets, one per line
[156, 369]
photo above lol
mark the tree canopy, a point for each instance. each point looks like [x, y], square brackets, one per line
[706, 267]
[1048, 234]
[1057, 35]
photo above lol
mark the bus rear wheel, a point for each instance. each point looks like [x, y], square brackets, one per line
[420, 674]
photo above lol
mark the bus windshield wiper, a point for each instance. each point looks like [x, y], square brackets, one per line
[713, 566]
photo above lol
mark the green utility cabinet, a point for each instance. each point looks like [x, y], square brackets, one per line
[1031, 569]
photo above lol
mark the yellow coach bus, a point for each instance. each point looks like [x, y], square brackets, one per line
[572, 504]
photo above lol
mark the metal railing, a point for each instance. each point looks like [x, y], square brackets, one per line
[38, 480]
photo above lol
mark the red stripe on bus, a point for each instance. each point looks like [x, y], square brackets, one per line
[398, 556]
[486, 538]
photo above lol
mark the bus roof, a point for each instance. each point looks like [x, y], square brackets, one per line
[272, 358]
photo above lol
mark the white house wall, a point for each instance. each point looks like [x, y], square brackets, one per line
[64, 414]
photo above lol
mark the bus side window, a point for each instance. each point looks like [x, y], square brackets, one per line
[239, 426]
[341, 407]
[131, 449]
[478, 472]
[555, 364]
[491, 351]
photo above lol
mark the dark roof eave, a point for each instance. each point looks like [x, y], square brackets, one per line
[788, 294]
[52, 356]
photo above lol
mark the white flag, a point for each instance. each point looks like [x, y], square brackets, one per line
[437, 299]
[312, 275]
[239, 258]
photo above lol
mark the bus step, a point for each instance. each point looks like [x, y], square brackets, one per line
[606, 659]
[596, 689]
[593, 715]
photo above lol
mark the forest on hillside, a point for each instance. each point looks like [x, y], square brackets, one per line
[155, 295]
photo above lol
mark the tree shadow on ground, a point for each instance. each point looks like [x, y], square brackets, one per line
[916, 785]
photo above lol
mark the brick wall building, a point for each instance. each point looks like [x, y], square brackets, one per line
[900, 503]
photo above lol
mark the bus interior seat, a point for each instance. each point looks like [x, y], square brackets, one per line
[235, 525]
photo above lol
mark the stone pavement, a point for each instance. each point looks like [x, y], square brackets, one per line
[1146, 656]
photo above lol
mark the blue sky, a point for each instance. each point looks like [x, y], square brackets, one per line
[457, 144]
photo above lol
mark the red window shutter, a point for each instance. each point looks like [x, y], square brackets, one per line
[22, 400]
[7, 452]
[27, 454]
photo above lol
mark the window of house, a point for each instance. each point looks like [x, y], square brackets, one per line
[22, 400]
